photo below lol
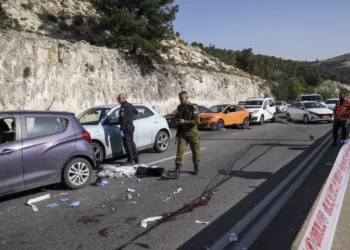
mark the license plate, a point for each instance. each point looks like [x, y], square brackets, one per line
[326, 117]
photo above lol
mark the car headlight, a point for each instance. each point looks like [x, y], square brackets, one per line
[208, 118]
[254, 112]
[313, 113]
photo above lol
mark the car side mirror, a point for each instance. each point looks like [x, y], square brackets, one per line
[113, 121]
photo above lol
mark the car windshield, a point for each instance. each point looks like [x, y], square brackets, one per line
[312, 98]
[331, 101]
[253, 103]
[278, 103]
[313, 105]
[92, 116]
[217, 108]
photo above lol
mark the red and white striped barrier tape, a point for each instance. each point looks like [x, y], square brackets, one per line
[320, 231]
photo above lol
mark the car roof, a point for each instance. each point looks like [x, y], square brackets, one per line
[35, 112]
[331, 99]
[111, 106]
[313, 94]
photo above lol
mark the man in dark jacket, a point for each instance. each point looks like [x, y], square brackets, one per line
[126, 118]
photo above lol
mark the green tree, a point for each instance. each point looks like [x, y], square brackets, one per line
[138, 24]
[177, 34]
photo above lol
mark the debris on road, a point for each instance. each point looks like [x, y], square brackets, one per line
[145, 221]
[130, 190]
[233, 237]
[329, 164]
[104, 183]
[343, 142]
[116, 172]
[40, 198]
[51, 205]
[64, 199]
[138, 195]
[202, 222]
[129, 196]
[147, 171]
[62, 194]
[173, 193]
[75, 204]
[138, 180]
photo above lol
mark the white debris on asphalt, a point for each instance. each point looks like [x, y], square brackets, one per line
[233, 237]
[40, 198]
[202, 222]
[329, 164]
[116, 172]
[129, 196]
[173, 193]
[138, 195]
[130, 190]
[144, 222]
[138, 180]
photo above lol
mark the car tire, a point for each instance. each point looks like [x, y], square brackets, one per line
[99, 152]
[306, 119]
[220, 125]
[273, 118]
[77, 173]
[261, 122]
[288, 117]
[246, 122]
[161, 143]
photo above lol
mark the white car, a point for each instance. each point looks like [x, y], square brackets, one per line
[261, 109]
[309, 112]
[281, 106]
[330, 103]
[311, 98]
[151, 130]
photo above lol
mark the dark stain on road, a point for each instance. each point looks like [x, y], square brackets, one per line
[142, 245]
[130, 220]
[92, 219]
[80, 247]
[104, 232]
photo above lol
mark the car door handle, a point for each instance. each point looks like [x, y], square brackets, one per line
[7, 151]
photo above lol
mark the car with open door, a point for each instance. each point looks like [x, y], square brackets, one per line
[151, 130]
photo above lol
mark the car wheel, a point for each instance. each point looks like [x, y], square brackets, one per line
[161, 143]
[288, 117]
[77, 173]
[246, 122]
[261, 122]
[220, 125]
[99, 153]
[306, 119]
[273, 118]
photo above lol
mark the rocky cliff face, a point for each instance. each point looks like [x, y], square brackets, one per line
[34, 70]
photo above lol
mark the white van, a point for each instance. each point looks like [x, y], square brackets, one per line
[261, 109]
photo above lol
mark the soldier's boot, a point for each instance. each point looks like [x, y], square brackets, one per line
[196, 169]
[176, 173]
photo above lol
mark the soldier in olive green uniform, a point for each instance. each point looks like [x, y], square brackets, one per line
[187, 117]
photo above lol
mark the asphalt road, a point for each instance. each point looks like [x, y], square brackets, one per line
[261, 158]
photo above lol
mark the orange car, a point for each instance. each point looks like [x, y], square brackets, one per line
[219, 116]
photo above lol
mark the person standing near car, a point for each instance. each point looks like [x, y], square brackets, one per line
[341, 114]
[187, 119]
[126, 118]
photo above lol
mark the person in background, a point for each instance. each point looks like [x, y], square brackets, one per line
[341, 114]
[187, 118]
[126, 122]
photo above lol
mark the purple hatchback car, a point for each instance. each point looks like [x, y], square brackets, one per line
[41, 148]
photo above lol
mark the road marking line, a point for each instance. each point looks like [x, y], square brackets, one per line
[257, 229]
[172, 157]
[250, 216]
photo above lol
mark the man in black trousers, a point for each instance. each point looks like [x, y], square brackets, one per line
[126, 118]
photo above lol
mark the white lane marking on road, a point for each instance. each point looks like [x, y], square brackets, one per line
[172, 157]
[250, 216]
[265, 220]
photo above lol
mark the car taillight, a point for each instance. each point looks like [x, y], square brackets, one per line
[87, 137]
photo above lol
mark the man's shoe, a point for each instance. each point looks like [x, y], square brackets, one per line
[176, 173]
[129, 162]
[196, 169]
[137, 160]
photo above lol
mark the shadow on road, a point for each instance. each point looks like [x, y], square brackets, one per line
[224, 223]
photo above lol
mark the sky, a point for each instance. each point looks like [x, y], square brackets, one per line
[303, 30]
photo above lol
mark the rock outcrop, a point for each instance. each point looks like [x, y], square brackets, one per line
[35, 70]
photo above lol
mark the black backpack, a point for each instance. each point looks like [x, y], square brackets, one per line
[149, 172]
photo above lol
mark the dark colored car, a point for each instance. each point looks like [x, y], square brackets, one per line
[41, 148]
[170, 118]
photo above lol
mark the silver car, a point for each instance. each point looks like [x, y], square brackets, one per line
[151, 130]
[330, 103]
[281, 106]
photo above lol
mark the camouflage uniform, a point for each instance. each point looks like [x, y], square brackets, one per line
[187, 133]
